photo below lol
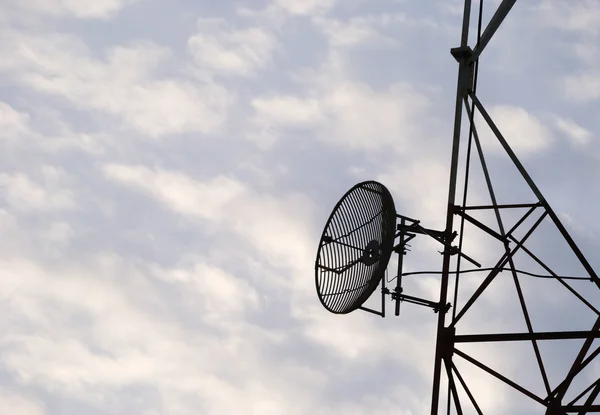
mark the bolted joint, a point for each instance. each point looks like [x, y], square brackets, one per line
[445, 309]
[463, 56]
[395, 293]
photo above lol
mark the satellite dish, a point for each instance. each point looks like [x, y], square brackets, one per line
[355, 247]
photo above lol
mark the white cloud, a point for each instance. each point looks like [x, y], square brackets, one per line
[350, 33]
[583, 87]
[305, 7]
[223, 50]
[359, 30]
[582, 22]
[278, 227]
[452, 7]
[124, 85]
[47, 131]
[178, 191]
[58, 233]
[576, 133]
[212, 295]
[351, 115]
[69, 140]
[102, 325]
[337, 334]
[57, 356]
[99, 9]
[221, 296]
[274, 114]
[22, 193]
[366, 118]
[587, 51]
[525, 133]
[12, 122]
[343, 111]
[582, 16]
[16, 404]
[275, 227]
[420, 186]
[288, 110]
[278, 13]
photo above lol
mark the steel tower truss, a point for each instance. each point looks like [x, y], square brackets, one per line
[514, 236]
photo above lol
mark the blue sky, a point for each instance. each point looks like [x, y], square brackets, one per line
[167, 168]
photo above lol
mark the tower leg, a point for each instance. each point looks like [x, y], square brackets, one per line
[463, 75]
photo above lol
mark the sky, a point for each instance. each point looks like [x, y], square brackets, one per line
[167, 168]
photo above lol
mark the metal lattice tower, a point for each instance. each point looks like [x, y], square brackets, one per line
[511, 226]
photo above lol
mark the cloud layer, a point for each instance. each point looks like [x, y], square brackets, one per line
[164, 187]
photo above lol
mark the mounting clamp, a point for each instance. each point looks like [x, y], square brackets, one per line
[466, 71]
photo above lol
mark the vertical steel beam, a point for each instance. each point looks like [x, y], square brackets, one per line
[463, 72]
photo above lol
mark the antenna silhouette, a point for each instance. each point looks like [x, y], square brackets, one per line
[364, 231]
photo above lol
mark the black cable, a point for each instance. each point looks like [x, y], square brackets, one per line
[532, 274]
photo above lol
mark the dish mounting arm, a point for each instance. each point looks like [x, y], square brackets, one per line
[407, 230]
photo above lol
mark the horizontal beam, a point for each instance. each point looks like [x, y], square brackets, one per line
[554, 335]
[416, 300]
[416, 228]
[577, 408]
[507, 206]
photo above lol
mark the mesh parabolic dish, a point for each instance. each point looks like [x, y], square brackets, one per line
[355, 247]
